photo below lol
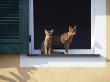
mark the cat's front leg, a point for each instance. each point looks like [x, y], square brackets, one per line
[46, 51]
[50, 51]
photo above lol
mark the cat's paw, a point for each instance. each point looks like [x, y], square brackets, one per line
[49, 53]
[65, 53]
[46, 53]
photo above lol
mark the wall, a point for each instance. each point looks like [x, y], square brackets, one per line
[11, 72]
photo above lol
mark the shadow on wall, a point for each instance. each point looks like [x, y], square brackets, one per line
[22, 75]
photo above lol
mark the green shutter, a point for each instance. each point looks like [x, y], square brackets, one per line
[14, 26]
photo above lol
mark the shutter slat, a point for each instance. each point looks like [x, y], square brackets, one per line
[9, 19]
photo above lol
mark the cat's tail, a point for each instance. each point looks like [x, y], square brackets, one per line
[42, 48]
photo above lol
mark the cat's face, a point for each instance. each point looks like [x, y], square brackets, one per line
[72, 30]
[48, 33]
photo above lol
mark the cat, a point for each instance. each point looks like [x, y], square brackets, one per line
[65, 38]
[46, 47]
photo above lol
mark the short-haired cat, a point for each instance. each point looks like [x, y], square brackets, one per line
[46, 47]
[65, 38]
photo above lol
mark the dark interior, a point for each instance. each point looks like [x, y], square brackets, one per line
[58, 15]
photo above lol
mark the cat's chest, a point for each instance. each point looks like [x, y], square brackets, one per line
[48, 40]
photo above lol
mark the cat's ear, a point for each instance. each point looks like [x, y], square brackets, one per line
[52, 31]
[46, 31]
[75, 26]
[70, 27]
